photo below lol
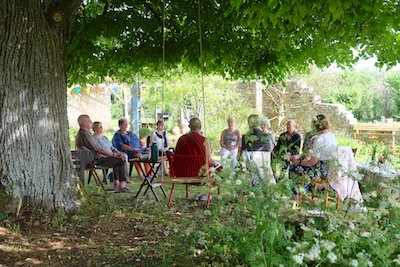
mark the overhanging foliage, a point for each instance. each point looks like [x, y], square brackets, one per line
[241, 39]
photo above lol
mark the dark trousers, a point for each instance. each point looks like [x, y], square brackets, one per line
[120, 170]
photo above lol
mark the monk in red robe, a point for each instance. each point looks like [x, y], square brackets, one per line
[194, 143]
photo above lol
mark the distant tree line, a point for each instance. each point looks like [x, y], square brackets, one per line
[368, 94]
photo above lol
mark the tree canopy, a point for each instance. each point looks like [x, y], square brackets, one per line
[241, 39]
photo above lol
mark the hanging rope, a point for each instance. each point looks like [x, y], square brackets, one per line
[163, 89]
[207, 144]
[202, 67]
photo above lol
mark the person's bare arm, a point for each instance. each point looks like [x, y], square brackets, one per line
[239, 140]
[128, 148]
[221, 140]
[110, 153]
[311, 161]
[211, 161]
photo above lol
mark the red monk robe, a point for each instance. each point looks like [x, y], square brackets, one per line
[193, 143]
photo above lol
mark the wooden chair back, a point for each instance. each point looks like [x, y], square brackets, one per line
[186, 165]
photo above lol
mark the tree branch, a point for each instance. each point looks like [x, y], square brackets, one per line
[105, 9]
[272, 98]
[147, 5]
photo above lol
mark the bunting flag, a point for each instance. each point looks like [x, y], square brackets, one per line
[69, 90]
[91, 89]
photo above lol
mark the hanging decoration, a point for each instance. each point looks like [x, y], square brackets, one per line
[97, 90]
[77, 89]
[87, 90]
[116, 89]
[69, 90]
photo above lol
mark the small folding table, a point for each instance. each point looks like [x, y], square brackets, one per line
[149, 176]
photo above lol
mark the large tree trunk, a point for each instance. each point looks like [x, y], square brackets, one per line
[35, 162]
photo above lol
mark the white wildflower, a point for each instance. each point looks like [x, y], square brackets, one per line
[397, 261]
[238, 182]
[377, 215]
[298, 258]
[365, 234]
[328, 245]
[354, 263]
[332, 257]
[317, 232]
[289, 233]
[304, 228]
[346, 234]
[370, 263]
[314, 253]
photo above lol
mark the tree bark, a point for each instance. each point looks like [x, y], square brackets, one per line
[35, 162]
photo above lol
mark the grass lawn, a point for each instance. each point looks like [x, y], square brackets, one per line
[252, 227]
[110, 230]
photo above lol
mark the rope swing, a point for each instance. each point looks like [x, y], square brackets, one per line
[201, 62]
[207, 144]
[163, 87]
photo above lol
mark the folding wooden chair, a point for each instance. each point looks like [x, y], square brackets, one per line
[315, 186]
[104, 170]
[83, 161]
[184, 170]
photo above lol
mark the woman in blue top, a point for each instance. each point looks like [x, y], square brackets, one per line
[129, 142]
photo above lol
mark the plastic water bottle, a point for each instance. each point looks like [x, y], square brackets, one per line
[154, 152]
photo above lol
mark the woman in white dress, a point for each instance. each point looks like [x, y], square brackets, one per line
[323, 150]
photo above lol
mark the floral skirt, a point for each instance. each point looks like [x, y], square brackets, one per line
[320, 169]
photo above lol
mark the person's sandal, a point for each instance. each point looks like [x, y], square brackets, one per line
[125, 190]
[203, 197]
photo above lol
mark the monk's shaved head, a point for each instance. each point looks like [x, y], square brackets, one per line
[195, 124]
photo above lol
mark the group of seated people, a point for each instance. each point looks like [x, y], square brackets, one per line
[258, 144]
[125, 145]
[257, 147]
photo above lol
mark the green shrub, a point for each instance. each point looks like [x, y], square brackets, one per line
[144, 132]
[261, 229]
